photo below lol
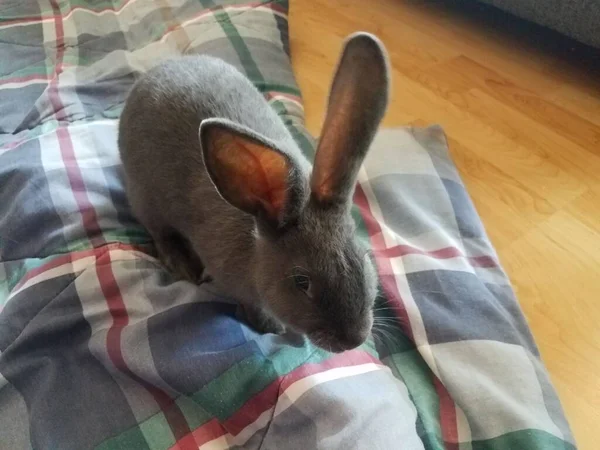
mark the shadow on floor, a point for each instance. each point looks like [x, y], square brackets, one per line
[523, 33]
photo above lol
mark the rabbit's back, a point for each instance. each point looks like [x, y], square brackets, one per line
[159, 143]
[182, 92]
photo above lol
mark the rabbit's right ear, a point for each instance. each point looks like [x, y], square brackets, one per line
[251, 173]
[357, 103]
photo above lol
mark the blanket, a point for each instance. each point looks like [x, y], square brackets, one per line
[101, 348]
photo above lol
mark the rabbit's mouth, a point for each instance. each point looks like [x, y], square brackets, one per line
[336, 344]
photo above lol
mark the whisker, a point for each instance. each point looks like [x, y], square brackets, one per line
[386, 335]
[381, 336]
[384, 317]
[377, 340]
[388, 326]
[384, 308]
[394, 328]
[385, 320]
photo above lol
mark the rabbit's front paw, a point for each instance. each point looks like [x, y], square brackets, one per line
[262, 321]
[178, 258]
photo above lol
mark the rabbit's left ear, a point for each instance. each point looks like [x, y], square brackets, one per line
[250, 172]
[357, 103]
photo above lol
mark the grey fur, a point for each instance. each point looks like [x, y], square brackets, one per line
[198, 233]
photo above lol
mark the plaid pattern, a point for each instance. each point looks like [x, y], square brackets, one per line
[99, 348]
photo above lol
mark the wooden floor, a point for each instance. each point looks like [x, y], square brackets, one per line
[524, 128]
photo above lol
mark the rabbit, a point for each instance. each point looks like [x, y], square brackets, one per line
[228, 196]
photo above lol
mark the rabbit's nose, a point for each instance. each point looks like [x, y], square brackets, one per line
[352, 337]
[354, 341]
[350, 340]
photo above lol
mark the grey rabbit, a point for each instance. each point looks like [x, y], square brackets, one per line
[226, 193]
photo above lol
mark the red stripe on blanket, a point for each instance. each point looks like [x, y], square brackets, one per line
[69, 258]
[483, 261]
[46, 18]
[88, 213]
[27, 21]
[447, 408]
[448, 422]
[346, 359]
[442, 253]
[386, 277]
[116, 305]
[37, 20]
[254, 407]
[106, 277]
[86, 209]
[268, 397]
[99, 10]
[273, 5]
[208, 432]
[273, 94]
[37, 77]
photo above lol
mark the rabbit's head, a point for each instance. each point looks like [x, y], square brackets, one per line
[310, 270]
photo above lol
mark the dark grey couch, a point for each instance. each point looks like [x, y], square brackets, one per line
[579, 19]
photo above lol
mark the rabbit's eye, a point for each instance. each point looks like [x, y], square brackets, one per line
[302, 282]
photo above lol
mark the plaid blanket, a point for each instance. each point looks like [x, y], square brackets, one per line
[100, 348]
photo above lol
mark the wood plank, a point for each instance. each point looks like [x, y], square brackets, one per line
[466, 74]
[474, 121]
[579, 100]
[551, 268]
[499, 197]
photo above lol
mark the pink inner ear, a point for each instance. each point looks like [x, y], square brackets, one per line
[333, 145]
[261, 173]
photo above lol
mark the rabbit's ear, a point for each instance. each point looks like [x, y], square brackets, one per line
[249, 171]
[357, 103]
